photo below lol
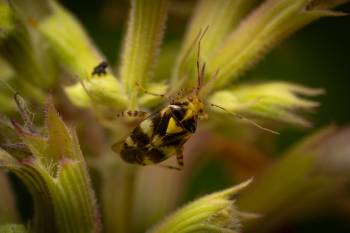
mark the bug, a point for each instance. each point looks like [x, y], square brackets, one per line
[100, 69]
[163, 133]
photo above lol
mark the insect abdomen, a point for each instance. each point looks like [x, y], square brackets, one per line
[157, 138]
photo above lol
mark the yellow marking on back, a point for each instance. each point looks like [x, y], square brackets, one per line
[147, 127]
[173, 127]
[188, 115]
[130, 142]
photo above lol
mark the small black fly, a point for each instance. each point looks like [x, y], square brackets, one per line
[100, 69]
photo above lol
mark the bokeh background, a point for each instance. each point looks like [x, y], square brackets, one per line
[316, 56]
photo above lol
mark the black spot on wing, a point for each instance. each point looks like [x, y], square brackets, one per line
[139, 137]
[160, 123]
[131, 154]
[190, 124]
[175, 139]
[156, 155]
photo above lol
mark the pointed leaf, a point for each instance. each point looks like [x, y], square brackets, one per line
[268, 25]
[59, 137]
[212, 213]
[275, 100]
[221, 17]
[142, 41]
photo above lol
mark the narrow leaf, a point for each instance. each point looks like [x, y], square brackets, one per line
[279, 101]
[268, 25]
[308, 178]
[212, 213]
[141, 44]
[220, 17]
[74, 50]
[59, 137]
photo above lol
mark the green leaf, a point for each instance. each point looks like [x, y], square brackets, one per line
[6, 20]
[307, 178]
[220, 17]
[74, 50]
[142, 41]
[69, 41]
[212, 213]
[56, 175]
[275, 100]
[104, 91]
[262, 30]
[59, 138]
[23, 50]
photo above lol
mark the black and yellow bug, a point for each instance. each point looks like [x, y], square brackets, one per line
[163, 133]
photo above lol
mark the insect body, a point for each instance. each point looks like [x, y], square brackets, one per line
[163, 133]
[100, 69]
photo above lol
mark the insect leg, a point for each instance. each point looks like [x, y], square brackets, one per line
[149, 92]
[133, 113]
[180, 156]
[171, 167]
[170, 97]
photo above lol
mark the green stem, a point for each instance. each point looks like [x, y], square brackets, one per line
[129, 190]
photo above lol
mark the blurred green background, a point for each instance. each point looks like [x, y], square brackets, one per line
[316, 56]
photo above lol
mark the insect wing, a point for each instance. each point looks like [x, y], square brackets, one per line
[117, 147]
[167, 131]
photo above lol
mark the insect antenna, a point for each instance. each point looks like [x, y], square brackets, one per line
[239, 116]
[200, 69]
[149, 92]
